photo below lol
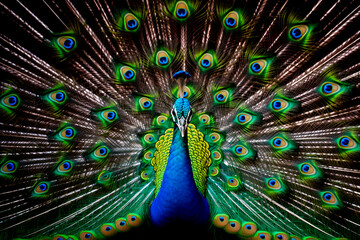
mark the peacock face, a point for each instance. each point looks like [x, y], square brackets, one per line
[181, 114]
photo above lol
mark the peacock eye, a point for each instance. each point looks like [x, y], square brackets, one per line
[104, 177]
[233, 182]
[163, 59]
[258, 66]
[161, 120]
[261, 235]
[145, 175]
[182, 10]
[109, 115]
[240, 150]
[206, 60]
[220, 220]
[132, 23]
[231, 20]
[204, 119]
[87, 235]
[108, 230]
[216, 155]
[273, 183]
[67, 43]
[214, 137]
[134, 219]
[41, 188]
[65, 166]
[281, 236]
[221, 96]
[127, 73]
[329, 88]
[214, 171]
[330, 199]
[9, 167]
[346, 142]
[101, 152]
[307, 169]
[233, 226]
[279, 104]
[11, 101]
[248, 228]
[60, 237]
[298, 32]
[148, 155]
[243, 118]
[58, 96]
[145, 103]
[122, 225]
[149, 138]
[279, 142]
[67, 133]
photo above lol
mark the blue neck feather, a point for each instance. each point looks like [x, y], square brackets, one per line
[178, 199]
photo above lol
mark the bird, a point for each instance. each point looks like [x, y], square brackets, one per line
[193, 119]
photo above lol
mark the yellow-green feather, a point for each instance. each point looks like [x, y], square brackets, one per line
[199, 156]
[161, 157]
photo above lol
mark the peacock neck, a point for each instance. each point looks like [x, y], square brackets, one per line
[178, 197]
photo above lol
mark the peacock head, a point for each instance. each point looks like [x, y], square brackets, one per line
[181, 114]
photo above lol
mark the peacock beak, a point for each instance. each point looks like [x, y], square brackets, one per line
[182, 125]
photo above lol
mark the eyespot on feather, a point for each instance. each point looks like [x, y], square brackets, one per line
[145, 103]
[60, 237]
[329, 88]
[231, 20]
[108, 230]
[248, 229]
[346, 142]
[11, 101]
[279, 142]
[134, 219]
[244, 118]
[87, 235]
[122, 225]
[41, 188]
[67, 133]
[240, 150]
[279, 104]
[233, 226]
[222, 96]
[206, 61]
[214, 171]
[145, 175]
[273, 183]
[258, 66]
[298, 32]
[132, 23]
[280, 236]
[163, 58]
[67, 43]
[58, 96]
[220, 220]
[261, 235]
[9, 167]
[181, 10]
[204, 119]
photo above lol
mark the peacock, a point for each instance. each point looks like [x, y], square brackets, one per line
[231, 119]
